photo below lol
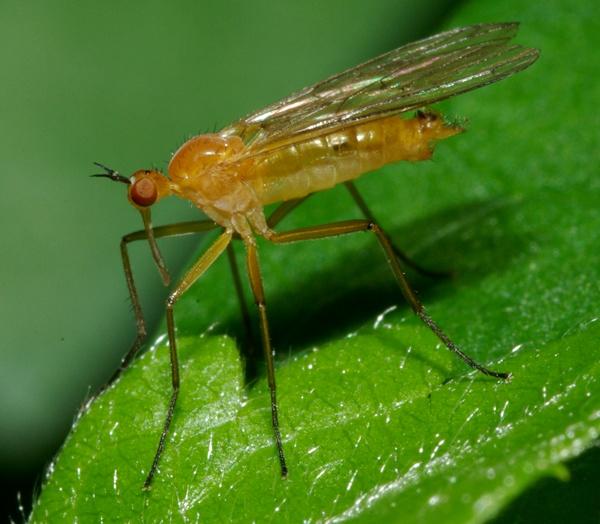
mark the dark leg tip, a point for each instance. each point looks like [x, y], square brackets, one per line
[284, 472]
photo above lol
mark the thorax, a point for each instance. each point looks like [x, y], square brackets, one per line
[206, 172]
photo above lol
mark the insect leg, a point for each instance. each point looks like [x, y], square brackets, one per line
[287, 207]
[353, 226]
[193, 274]
[360, 202]
[171, 230]
[278, 214]
[259, 297]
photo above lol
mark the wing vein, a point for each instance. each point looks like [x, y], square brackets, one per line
[413, 76]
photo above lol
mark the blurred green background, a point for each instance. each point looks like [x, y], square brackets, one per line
[125, 84]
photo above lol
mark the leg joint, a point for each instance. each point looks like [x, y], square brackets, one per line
[171, 299]
[129, 237]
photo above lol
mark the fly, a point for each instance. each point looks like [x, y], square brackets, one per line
[324, 135]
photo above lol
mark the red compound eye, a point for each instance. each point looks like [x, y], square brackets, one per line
[144, 192]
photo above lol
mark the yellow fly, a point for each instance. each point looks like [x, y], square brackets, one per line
[324, 135]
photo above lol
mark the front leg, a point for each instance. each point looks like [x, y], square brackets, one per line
[171, 230]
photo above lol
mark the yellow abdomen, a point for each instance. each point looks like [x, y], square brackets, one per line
[299, 169]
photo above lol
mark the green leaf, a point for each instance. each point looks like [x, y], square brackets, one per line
[401, 438]
[380, 423]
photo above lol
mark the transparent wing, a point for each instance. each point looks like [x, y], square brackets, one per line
[412, 76]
